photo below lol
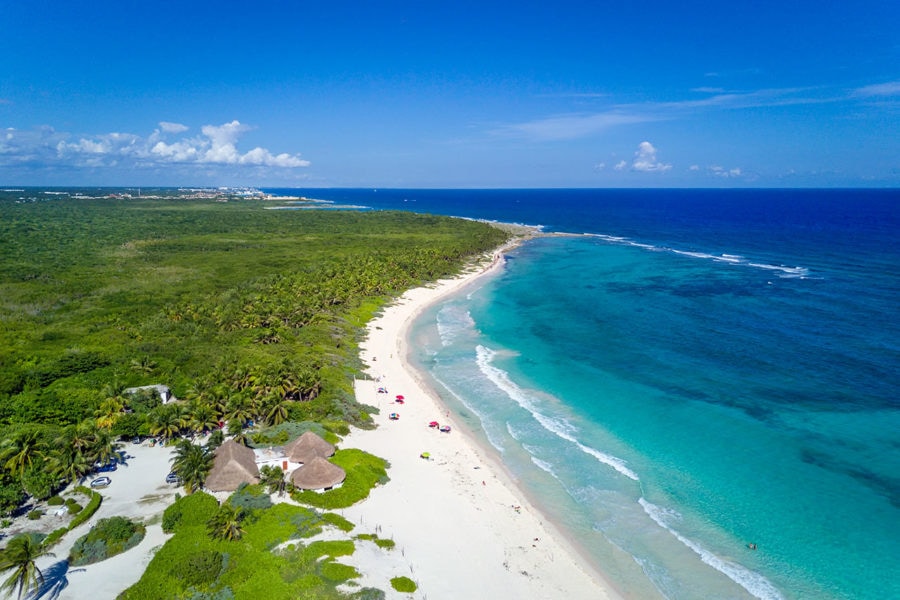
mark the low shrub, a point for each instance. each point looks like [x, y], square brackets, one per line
[332, 549]
[200, 569]
[368, 594]
[107, 538]
[404, 584]
[337, 572]
[75, 508]
[338, 521]
[196, 509]
[89, 510]
[35, 515]
[385, 544]
[55, 501]
[250, 497]
[55, 536]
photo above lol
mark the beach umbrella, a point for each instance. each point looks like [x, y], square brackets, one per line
[433, 424]
[426, 455]
[400, 397]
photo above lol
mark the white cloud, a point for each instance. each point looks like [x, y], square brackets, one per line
[891, 88]
[571, 126]
[173, 127]
[694, 168]
[621, 165]
[725, 173]
[645, 159]
[217, 145]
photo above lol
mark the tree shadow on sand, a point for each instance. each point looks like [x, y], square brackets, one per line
[55, 581]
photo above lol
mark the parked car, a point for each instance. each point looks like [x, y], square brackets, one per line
[101, 482]
[173, 478]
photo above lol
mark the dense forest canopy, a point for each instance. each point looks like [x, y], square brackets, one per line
[246, 314]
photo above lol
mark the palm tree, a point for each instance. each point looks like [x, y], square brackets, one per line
[144, 364]
[275, 409]
[102, 448]
[19, 556]
[166, 421]
[226, 523]
[70, 463]
[203, 418]
[21, 451]
[191, 463]
[272, 477]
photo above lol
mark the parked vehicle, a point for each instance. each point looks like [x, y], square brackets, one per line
[173, 478]
[107, 468]
[101, 482]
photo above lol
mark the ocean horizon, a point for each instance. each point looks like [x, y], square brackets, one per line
[700, 390]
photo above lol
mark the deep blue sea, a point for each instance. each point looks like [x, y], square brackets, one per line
[701, 371]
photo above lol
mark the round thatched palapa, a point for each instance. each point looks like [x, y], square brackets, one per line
[234, 464]
[307, 447]
[318, 474]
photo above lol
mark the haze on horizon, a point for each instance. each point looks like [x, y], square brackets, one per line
[464, 94]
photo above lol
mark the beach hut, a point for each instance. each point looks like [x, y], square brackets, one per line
[307, 447]
[233, 465]
[318, 474]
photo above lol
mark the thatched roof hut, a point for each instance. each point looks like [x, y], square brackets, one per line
[234, 464]
[307, 447]
[318, 474]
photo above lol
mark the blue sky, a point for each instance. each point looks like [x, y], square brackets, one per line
[450, 94]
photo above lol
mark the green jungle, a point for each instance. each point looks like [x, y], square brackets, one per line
[251, 317]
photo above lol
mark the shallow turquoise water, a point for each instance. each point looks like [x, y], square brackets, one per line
[678, 408]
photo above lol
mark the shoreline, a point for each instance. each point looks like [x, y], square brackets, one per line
[462, 525]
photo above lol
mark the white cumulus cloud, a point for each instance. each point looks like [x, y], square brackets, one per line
[645, 159]
[216, 145]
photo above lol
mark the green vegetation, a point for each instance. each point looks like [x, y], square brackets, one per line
[89, 510]
[269, 559]
[364, 471]
[404, 584]
[246, 314]
[191, 463]
[251, 317]
[18, 559]
[105, 539]
[190, 511]
[381, 543]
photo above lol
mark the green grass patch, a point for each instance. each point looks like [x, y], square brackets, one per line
[404, 584]
[337, 572]
[336, 520]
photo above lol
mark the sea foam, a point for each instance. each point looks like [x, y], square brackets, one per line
[733, 259]
[557, 425]
[753, 582]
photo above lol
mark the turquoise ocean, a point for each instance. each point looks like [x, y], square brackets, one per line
[693, 373]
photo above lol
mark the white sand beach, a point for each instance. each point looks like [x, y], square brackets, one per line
[462, 528]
